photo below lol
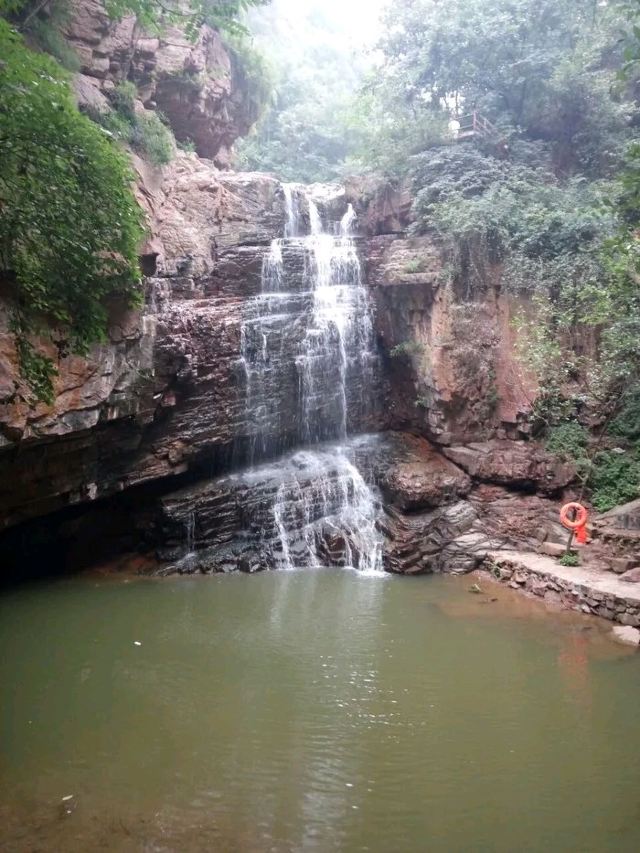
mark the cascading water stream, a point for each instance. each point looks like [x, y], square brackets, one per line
[311, 325]
[315, 221]
[326, 513]
[292, 206]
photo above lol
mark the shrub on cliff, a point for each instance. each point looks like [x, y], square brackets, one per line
[153, 138]
[69, 223]
[548, 235]
[611, 476]
[145, 132]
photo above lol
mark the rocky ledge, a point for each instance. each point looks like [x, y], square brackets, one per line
[580, 588]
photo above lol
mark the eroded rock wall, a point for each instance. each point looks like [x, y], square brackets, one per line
[452, 361]
[197, 84]
[167, 388]
[166, 397]
[163, 401]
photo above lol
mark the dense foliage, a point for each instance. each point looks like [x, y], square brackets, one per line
[225, 15]
[540, 68]
[545, 206]
[610, 470]
[69, 223]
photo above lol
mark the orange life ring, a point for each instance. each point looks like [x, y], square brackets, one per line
[579, 523]
[581, 516]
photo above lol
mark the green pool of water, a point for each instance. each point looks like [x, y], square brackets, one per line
[320, 711]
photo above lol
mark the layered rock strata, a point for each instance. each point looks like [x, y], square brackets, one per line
[451, 354]
[167, 390]
[165, 401]
[431, 517]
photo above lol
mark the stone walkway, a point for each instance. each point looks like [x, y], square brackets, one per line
[579, 588]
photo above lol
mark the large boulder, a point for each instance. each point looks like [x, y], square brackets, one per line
[631, 576]
[415, 476]
[623, 517]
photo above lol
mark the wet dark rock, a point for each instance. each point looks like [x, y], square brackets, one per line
[237, 519]
[426, 542]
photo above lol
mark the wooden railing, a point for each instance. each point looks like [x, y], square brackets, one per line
[476, 125]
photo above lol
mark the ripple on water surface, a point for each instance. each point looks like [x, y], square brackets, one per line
[317, 710]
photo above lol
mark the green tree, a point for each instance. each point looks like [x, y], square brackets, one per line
[305, 133]
[225, 15]
[69, 223]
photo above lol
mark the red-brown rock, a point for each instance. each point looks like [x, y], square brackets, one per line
[521, 464]
[419, 477]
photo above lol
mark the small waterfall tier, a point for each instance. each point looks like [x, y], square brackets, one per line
[311, 507]
[307, 342]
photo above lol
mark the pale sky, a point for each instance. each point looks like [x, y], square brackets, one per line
[357, 19]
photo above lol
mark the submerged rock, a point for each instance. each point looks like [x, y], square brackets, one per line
[626, 634]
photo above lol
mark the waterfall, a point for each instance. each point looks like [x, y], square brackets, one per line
[346, 223]
[326, 513]
[338, 342]
[315, 221]
[308, 355]
[261, 327]
[191, 533]
[292, 207]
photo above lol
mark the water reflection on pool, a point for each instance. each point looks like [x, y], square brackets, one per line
[316, 710]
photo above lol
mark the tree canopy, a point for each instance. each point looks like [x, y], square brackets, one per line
[542, 69]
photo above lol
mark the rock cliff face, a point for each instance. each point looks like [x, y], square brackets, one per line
[198, 85]
[167, 388]
[163, 404]
[452, 362]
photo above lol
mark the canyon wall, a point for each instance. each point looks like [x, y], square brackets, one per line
[154, 421]
[166, 394]
[452, 358]
[162, 406]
